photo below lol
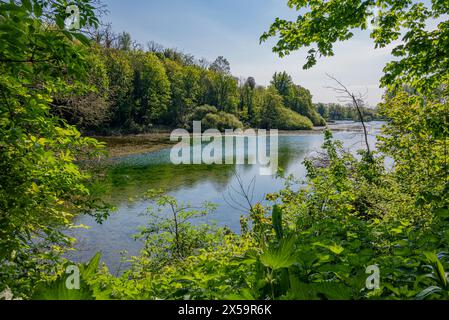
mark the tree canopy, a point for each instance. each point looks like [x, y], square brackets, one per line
[421, 58]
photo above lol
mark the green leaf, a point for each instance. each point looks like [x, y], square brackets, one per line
[438, 269]
[82, 38]
[442, 213]
[280, 256]
[426, 293]
[57, 290]
[277, 222]
[89, 270]
[334, 248]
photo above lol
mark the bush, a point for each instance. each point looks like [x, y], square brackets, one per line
[211, 118]
[201, 112]
[275, 115]
[290, 120]
[221, 121]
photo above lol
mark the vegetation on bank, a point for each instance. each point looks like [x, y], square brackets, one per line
[338, 112]
[138, 89]
[315, 243]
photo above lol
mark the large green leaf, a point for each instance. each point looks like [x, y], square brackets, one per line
[438, 269]
[426, 293]
[280, 256]
[57, 289]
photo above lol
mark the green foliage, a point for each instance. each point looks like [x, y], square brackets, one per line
[86, 106]
[57, 289]
[201, 112]
[221, 121]
[290, 120]
[420, 60]
[334, 112]
[150, 90]
[41, 186]
[211, 118]
[133, 91]
[316, 242]
[170, 235]
[185, 91]
[280, 256]
[296, 98]
[275, 116]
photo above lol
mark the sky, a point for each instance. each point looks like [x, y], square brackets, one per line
[231, 28]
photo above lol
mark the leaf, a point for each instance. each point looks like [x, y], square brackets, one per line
[27, 5]
[438, 269]
[442, 213]
[244, 295]
[334, 248]
[37, 10]
[91, 268]
[277, 222]
[426, 293]
[57, 290]
[321, 290]
[82, 38]
[281, 256]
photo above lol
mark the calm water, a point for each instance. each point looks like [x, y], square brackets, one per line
[129, 177]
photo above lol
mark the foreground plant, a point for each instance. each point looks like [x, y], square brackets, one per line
[41, 187]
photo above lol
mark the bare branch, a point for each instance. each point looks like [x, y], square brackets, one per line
[357, 101]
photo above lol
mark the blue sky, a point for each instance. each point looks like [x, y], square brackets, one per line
[231, 28]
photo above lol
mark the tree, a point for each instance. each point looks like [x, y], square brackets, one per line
[421, 58]
[296, 97]
[120, 74]
[104, 36]
[124, 41]
[87, 108]
[41, 187]
[283, 83]
[247, 100]
[185, 90]
[219, 90]
[357, 102]
[151, 89]
[154, 47]
[221, 65]
[274, 115]
[251, 82]
[172, 238]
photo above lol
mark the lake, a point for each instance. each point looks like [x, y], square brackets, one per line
[129, 177]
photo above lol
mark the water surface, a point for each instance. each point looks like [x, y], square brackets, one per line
[129, 177]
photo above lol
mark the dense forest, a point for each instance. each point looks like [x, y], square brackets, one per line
[311, 242]
[336, 112]
[137, 90]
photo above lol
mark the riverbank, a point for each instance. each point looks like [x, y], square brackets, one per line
[119, 146]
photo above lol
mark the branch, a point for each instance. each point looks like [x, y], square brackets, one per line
[357, 101]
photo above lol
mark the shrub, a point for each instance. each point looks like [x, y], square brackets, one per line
[274, 115]
[290, 120]
[213, 119]
[221, 121]
[200, 112]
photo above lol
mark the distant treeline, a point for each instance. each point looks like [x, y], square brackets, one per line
[335, 112]
[138, 89]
